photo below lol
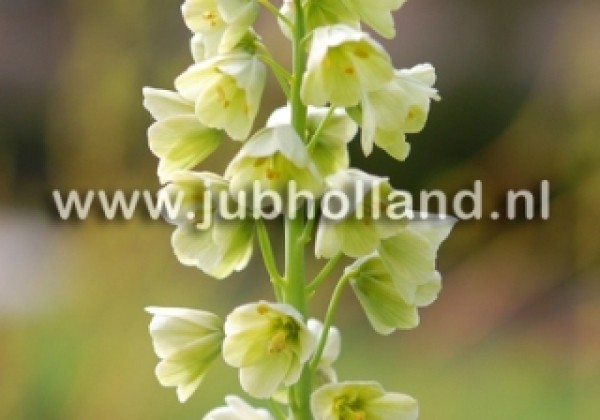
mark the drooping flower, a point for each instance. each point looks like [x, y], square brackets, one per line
[226, 21]
[330, 151]
[361, 400]
[331, 351]
[203, 239]
[343, 64]
[237, 409]
[269, 343]
[357, 230]
[377, 14]
[384, 305]
[187, 341]
[410, 256]
[273, 158]
[226, 90]
[177, 138]
[400, 107]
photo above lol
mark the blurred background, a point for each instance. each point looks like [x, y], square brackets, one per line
[515, 333]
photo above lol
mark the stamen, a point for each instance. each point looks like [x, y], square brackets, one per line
[278, 344]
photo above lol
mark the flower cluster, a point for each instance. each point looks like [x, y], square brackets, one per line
[342, 81]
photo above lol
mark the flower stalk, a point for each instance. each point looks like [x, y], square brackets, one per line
[341, 79]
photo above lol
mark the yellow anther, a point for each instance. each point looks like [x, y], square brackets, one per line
[278, 344]
[262, 309]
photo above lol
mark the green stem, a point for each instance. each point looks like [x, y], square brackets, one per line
[324, 274]
[267, 5]
[269, 259]
[276, 410]
[281, 74]
[335, 299]
[307, 234]
[294, 227]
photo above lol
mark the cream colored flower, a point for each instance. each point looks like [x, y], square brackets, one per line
[273, 157]
[237, 409]
[359, 230]
[187, 342]
[400, 107]
[226, 21]
[330, 151]
[361, 401]
[343, 65]
[377, 14]
[269, 343]
[410, 256]
[385, 306]
[202, 238]
[226, 90]
[177, 138]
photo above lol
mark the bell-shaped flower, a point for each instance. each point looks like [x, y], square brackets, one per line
[226, 90]
[320, 13]
[177, 138]
[203, 238]
[329, 151]
[343, 65]
[237, 409]
[227, 21]
[273, 157]
[377, 14]
[410, 256]
[187, 341]
[269, 343]
[361, 400]
[400, 107]
[331, 351]
[385, 306]
[354, 214]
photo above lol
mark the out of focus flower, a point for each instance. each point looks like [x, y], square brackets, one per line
[361, 400]
[177, 138]
[384, 305]
[330, 151]
[202, 238]
[400, 107]
[377, 14]
[273, 157]
[226, 21]
[358, 230]
[237, 409]
[226, 90]
[187, 342]
[410, 256]
[269, 343]
[343, 65]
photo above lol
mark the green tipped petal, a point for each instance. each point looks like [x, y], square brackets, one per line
[378, 14]
[383, 304]
[187, 341]
[181, 143]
